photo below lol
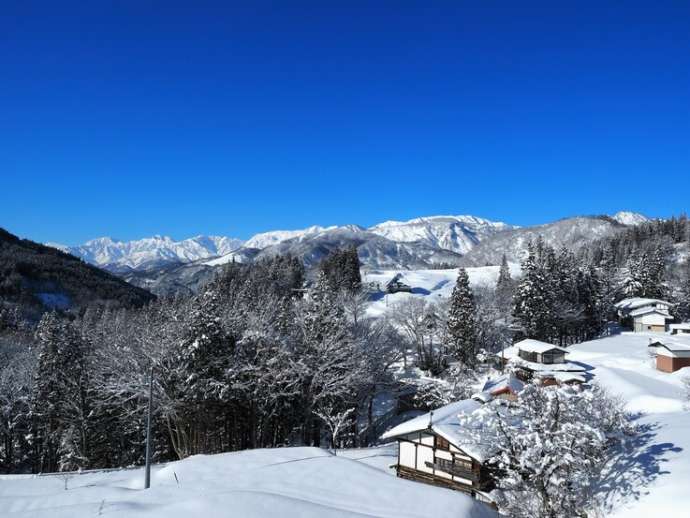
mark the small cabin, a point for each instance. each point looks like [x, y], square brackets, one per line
[396, 284]
[434, 449]
[644, 315]
[672, 354]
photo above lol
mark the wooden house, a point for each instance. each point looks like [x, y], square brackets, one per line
[396, 284]
[542, 362]
[433, 448]
[644, 315]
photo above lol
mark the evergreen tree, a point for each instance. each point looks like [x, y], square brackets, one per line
[60, 397]
[534, 300]
[342, 270]
[462, 322]
[195, 377]
[504, 287]
[683, 306]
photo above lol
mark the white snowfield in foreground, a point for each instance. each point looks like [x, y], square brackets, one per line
[280, 483]
[651, 478]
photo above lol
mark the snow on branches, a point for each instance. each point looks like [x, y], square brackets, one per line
[548, 447]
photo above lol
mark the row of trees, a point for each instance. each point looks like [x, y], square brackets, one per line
[559, 299]
[251, 361]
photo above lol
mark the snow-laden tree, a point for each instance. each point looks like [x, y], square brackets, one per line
[335, 421]
[534, 299]
[462, 322]
[16, 373]
[194, 375]
[60, 398]
[420, 323]
[547, 447]
[328, 364]
[504, 287]
[682, 311]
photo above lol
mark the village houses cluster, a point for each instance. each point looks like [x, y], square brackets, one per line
[434, 448]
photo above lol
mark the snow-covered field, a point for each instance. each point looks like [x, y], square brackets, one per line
[431, 285]
[651, 478]
[280, 483]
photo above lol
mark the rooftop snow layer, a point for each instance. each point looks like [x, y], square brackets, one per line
[536, 346]
[632, 303]
[445, 423]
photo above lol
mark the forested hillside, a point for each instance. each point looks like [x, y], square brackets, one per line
[37, 277]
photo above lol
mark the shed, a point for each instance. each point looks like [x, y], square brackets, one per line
[672, 354]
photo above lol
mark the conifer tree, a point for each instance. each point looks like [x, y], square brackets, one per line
[504, 287]
[683, 307]
[60, 397]
[534, 300]
[462, 322]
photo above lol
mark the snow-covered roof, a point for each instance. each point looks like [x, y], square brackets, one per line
[398, 278]
[674, 344]
[632, 303]
[648, 310]
[536, 346]
[445, 423]
[507, 381]
[684, 325]
[497, 386]
[512, 354]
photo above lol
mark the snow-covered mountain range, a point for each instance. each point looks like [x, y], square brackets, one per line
[159, 262]
[150, 252]
[455, 234]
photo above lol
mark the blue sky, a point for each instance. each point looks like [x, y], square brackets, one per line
[147, 118]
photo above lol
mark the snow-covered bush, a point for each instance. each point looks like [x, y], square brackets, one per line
[547, 447]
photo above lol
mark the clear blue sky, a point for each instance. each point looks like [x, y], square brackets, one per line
[144, 118]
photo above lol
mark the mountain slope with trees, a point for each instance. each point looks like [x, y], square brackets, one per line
[37, 277]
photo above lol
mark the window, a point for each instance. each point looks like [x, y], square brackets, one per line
[459, 468]
[442, 444]
[528, 356]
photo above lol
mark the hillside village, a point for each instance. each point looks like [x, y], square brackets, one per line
[553, 386]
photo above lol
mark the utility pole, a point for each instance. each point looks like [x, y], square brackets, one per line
[147, 481]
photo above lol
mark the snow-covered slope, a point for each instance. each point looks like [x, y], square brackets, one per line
[630, 218]
[151, 252]
[374, 251]
[571, 233]
[650, 477]
[266, 239]
[279, 483]
[455, 233]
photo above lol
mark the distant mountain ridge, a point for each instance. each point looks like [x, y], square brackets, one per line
[151, 252]
[36, 278]
[455, 234]
[163, 265]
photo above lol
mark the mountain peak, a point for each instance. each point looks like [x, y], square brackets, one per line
[630, 218]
